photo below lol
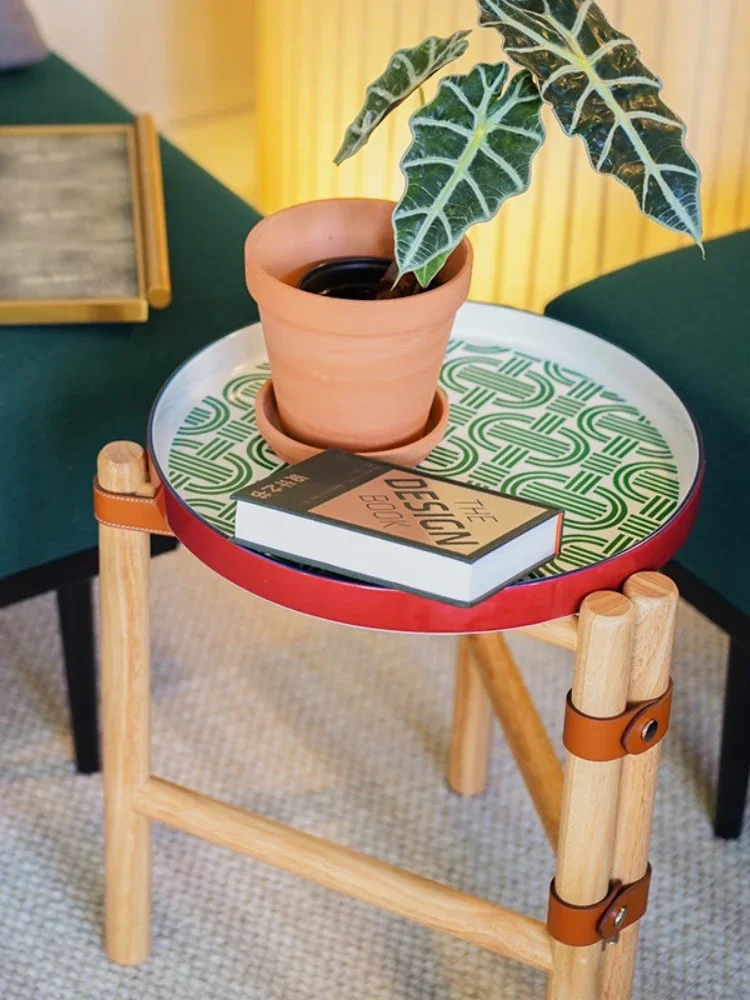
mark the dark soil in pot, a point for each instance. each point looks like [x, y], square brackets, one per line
[362, 278]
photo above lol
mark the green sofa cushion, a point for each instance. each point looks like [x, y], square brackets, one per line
[689, 320]
[67, 391]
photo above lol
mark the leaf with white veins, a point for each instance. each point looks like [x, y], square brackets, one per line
[406, 71]
[471, 149]
[599, 89]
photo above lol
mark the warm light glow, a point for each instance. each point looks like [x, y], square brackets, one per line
[314, 59]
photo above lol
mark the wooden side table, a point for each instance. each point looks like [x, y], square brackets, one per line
[615, 612]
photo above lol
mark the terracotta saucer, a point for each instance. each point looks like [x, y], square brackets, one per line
[291, 450]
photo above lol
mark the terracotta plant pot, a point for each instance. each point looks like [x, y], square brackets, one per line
[349, 374]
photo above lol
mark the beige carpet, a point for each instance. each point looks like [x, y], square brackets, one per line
[344, 733]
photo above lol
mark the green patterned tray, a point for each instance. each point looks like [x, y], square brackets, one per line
[538, 409]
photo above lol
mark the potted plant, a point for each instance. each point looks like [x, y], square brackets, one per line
[356, 349]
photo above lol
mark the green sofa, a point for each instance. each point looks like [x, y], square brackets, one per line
[67, 391]
[689, 320]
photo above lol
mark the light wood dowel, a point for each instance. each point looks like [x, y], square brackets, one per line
[562, 632]
[404, 893]
[472, 727]
[524, 730]
[158, 280]
[654, 598]
[590, 789]
[126, 699]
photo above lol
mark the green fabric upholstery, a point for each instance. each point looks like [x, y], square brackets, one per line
[689, 320]
[66, 391]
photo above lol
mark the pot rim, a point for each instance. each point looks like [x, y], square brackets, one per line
[409, 310]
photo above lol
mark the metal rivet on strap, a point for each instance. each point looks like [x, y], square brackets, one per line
[649, 730]
[581, 926]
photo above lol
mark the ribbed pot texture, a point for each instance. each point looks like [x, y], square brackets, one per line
[357, 375]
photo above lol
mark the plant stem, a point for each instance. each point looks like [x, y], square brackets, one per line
[422, 99]
[389, 288]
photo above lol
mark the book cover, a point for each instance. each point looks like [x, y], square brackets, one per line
[458, 520]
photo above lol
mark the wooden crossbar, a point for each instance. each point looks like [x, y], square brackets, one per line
[562, 632]
[404, 893]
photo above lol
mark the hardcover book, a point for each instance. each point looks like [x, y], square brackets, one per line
[385, 524]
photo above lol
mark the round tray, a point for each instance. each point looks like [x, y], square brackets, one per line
[539, 409]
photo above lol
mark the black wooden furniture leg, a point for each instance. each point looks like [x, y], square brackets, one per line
[734, 763]
[74, 605]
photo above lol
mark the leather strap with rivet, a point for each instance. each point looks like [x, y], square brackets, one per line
[580, 926]
[634, 731]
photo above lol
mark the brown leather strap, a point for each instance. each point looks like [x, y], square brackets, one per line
[634, 731]
[629, 905]
[132, 512]
[580, 926]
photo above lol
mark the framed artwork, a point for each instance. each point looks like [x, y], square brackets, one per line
[82, 226]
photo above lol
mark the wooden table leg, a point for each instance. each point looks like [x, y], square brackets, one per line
[126, 702]
[590, 789]
[523, 728]
[654, 598]
[468, 766]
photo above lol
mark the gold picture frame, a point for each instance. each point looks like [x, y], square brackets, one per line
[141, 226]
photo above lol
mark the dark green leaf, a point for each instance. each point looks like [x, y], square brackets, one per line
[599, 89]
[406, 71]
[472, 149]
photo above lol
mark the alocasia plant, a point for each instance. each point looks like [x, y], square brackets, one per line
[472, 146]
[406, 71]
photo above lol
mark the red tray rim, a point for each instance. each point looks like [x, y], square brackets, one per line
[370, 606]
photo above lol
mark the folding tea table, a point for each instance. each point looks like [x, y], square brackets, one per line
[538, 409]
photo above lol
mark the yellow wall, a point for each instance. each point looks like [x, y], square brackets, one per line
[187, 62]
[315, 57]
[178, 59]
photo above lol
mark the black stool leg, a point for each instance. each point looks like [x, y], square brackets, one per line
[734, 763]
[74, 605]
